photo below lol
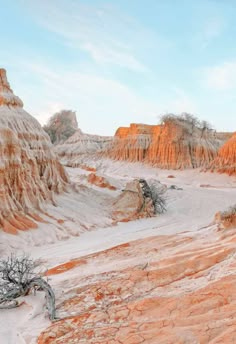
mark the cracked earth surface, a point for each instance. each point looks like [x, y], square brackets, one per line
[161, 290]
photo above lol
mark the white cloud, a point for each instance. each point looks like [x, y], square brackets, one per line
[102, 31]
[48, 108]
[109, 55]
[221, 77]
[102, 104]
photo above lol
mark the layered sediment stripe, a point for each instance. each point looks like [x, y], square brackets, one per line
[29, 171]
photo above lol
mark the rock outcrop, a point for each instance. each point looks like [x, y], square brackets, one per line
[131, 143]
[29, 170]
[61, 126]
[132, 204]
[225, 162]
[161, 289]
[79, 145]
[176, 144]
[100, 181]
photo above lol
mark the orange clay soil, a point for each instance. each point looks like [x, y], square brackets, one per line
[99, 181]
[160, 290]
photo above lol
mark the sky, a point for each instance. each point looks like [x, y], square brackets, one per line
[121, 62]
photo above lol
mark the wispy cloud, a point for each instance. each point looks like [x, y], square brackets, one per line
[103, 32]
[115, 56]
[221, 77]
[102, 104]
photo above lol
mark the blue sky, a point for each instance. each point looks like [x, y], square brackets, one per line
[117, 62]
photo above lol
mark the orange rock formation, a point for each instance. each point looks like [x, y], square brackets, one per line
[131, 143]
[225, 162]
[173, 145]
[100, 181]
[29, 170]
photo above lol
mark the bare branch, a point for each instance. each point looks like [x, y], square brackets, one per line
[17, 278]
[155, 194]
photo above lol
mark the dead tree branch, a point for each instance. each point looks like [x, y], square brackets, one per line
[17, 278]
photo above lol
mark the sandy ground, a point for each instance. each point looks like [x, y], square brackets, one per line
[87, 228]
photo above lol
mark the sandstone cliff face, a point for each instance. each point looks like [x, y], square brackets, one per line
[178, 146]
[29, 171]
[131, 143]
[81, 144]
[173, 145]
[225, 162]
[61, 126]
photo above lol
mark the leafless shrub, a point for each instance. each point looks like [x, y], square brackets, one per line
[187, 118]
[17, 278]
[156, 194]
[158, 199]
[168, 117]
[204, 125]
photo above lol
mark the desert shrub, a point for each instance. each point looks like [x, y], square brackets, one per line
[156, 194]
[159, 200]
[204, 125]
[168, 117]
[186, 118]
[18, 278]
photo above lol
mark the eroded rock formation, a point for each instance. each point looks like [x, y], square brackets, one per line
[175, 144]
[225, 162]
[79, 145]
[131, 143]
[61, 126]
[180, 146]
[29, 170]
